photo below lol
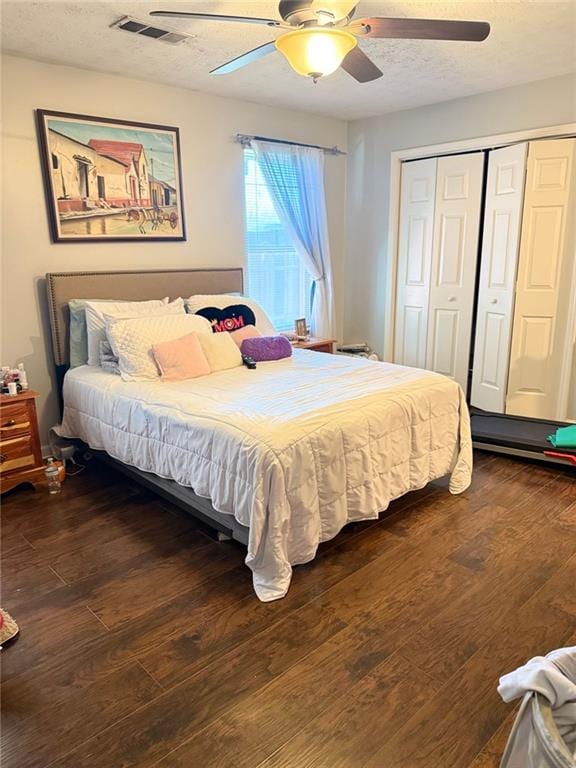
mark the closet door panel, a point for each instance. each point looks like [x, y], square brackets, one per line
[499, 260]
[445, 342]
[454, 257]
[414, 261]
[538, 354]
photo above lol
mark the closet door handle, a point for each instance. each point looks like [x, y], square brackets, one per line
[452, 298]
[494, 301]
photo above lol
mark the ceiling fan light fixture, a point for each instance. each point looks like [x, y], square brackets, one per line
[316, 52]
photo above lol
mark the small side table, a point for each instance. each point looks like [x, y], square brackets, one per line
[20, 452]
[316, 344]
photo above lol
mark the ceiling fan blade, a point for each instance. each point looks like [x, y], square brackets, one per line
[215, 17]
[362, 68]
[421, 29]
[245, 58]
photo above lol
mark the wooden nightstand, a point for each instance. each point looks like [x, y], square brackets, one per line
[318, 345]
[20, 453]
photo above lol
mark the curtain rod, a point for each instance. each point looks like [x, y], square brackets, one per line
[245, 139]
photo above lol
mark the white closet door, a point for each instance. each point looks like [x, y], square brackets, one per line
[414, 261]
[499, 262]
[454, 257]
[537, 358]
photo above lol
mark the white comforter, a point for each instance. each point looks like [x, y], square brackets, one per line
[294, 449]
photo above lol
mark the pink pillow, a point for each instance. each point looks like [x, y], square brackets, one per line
[181, 358]
[247, 332]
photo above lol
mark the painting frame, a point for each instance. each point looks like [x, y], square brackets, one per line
[153, 221]
[301, 328]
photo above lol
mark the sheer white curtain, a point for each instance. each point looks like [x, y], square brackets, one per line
[295, 180]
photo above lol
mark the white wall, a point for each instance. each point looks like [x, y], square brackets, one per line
[370, 142]
[213, 192]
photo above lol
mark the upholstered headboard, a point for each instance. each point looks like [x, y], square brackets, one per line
[127, 286]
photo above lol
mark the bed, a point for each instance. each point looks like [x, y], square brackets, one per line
[281, 457]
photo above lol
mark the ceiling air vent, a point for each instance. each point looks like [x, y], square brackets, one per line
[128, 24]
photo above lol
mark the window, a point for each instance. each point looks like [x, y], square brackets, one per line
[276, 278]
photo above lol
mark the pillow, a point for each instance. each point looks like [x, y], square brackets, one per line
[220, 351]
[78, 331]
[132, 340]
[78, 335]
[248, 332]
[266, 348]
[181, 358]
[228, 313]
[229, 319]
[95, 323]
[108, 360]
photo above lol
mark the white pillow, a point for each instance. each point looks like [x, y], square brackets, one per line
[223, 300]
[95, 322]
[221, 350]
[132, 340]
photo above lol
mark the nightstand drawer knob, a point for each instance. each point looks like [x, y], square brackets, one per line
[12, 425]
[2, 458]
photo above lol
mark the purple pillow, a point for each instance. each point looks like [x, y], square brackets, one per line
[262, 348]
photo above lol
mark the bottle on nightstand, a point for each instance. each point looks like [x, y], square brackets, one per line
[23, 377]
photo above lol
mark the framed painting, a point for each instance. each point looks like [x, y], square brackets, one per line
[110, 180]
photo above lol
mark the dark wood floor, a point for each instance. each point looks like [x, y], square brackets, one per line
[142, 643]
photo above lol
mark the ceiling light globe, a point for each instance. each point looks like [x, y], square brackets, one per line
[315, 52]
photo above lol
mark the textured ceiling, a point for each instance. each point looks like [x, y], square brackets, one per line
[529, 41]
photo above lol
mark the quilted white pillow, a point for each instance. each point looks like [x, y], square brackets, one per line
[223, 300]
[221, 351]
[96, 323]
[132, 340]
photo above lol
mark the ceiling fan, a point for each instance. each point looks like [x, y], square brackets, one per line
[319, 36]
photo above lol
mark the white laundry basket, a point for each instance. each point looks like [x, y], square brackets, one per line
[535, 741]
[548, 685]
